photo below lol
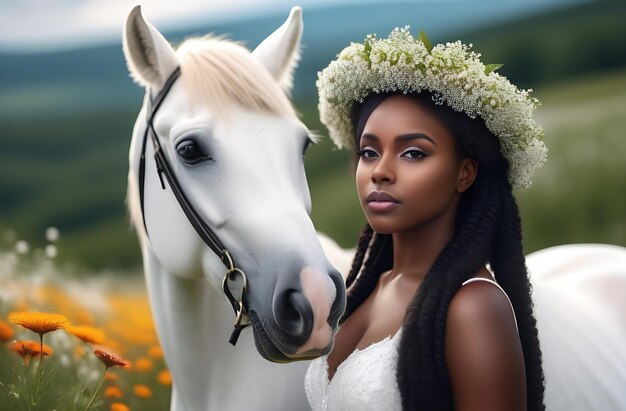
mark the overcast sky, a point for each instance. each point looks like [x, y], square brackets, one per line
[47, 25]
[54, 24]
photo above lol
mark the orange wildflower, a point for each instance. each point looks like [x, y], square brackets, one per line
[142, 391]
[156, 352]
[6, 332]
[113, 392]
[118, 406]
[87, 334]
[111, 376]
[143, 364]
[41, 323]
[110, 359]
[164, 378]
[29, 349]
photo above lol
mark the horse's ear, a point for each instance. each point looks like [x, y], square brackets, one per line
[280, 51]
[149, 57]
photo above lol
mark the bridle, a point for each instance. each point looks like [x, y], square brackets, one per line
[242, 319]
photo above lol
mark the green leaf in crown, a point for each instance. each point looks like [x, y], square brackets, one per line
[424, 39]
[492, 67]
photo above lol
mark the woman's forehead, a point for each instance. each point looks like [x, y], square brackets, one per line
[399, 115]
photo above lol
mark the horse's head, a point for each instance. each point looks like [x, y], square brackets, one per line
[236, 147]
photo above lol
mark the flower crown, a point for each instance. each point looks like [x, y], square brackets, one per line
[452, 73]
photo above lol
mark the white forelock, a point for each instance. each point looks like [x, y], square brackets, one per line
[222, 74]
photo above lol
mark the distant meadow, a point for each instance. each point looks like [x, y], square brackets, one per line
[66, 246]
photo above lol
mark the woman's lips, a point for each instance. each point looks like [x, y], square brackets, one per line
[380, 201]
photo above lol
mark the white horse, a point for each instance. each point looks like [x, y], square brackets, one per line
[578, 295]
[235, 146]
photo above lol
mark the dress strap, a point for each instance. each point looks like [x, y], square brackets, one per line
[498, 285]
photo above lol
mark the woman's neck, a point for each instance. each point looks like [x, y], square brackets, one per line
[415, 250]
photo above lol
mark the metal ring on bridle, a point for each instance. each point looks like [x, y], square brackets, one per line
[227, 275]
[239, 317]
[229, 261]
[237, 304]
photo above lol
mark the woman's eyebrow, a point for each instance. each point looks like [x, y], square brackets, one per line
[413, 136]
[400, 138]
[369, 136]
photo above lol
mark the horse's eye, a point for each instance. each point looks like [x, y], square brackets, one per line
[189, 151]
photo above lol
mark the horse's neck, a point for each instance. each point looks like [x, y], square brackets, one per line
[194, 324]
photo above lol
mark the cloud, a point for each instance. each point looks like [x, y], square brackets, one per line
[38, 25]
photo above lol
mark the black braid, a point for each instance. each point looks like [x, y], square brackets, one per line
[357, 263]
[508, 260]
[380, 259]
[487, 229]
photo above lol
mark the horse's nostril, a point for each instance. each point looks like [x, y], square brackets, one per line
[293, 313]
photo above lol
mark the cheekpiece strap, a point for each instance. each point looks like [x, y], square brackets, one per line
[204, 231]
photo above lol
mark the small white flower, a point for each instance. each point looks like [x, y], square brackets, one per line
[52, 234]
[51, 251]
[22, 247]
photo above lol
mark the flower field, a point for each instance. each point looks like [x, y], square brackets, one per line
[99, 345]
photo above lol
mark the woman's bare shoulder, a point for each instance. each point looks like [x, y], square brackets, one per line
[481, 304]
[483, 352]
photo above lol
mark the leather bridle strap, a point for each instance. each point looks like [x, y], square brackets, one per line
[204, 231]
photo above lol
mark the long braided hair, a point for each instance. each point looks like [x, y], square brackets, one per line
[487, 230]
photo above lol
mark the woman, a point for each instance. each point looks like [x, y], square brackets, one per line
[440, 139]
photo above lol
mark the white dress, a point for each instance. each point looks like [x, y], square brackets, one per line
[365, 380]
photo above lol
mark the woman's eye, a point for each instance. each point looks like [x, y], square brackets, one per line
[367, 153]
[190, 152]
[414, 154]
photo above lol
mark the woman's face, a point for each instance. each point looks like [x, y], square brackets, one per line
[408, 173]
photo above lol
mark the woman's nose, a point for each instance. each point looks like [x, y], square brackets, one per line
[383, 172]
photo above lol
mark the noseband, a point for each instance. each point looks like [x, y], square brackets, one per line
[242, 319]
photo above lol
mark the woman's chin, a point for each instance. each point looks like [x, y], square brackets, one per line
[382, 224]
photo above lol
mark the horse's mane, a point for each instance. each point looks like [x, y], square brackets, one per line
[223, 74]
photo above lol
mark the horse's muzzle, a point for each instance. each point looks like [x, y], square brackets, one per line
[305, 318]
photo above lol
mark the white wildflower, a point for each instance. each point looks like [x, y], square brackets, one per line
[51, 251]
[22, 247]
[52, 234]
